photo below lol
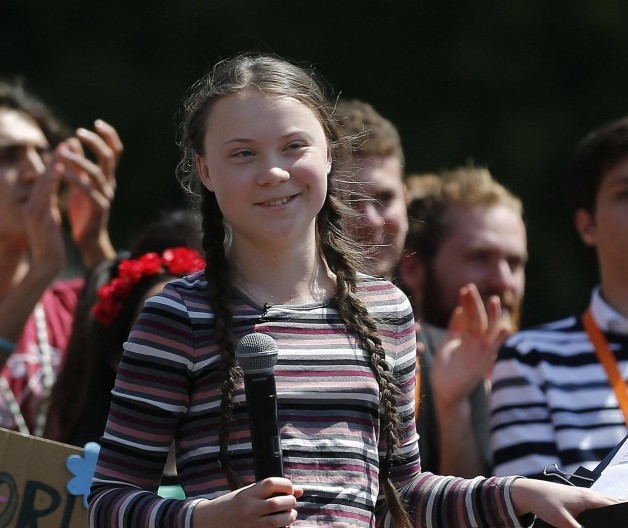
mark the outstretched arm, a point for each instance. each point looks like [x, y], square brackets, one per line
[556, 504]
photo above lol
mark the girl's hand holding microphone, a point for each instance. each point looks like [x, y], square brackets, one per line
[270, 503]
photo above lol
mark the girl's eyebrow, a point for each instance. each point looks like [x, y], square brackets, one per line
[237, 140]
[298, 132]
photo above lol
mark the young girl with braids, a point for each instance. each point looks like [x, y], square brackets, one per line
[259, 138]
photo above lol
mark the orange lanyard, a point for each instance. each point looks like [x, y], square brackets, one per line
[417, 391]
[607, 358]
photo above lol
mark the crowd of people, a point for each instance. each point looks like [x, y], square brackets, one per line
[408, 395]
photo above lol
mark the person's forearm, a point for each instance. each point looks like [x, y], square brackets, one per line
[459, 452]
[97, 251]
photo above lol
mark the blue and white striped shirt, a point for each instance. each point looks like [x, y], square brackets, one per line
[551, 400]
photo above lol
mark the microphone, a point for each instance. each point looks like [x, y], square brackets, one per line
[257, 355]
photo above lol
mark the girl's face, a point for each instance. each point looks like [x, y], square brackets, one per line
[267, 159]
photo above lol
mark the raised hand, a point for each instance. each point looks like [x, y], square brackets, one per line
[458, 367]
[474, 336]
[43, 242]
[92, 188]
[42, 221]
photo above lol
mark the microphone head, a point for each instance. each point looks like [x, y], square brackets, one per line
[257, 353]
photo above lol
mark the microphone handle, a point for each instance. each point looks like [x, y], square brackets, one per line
[261, 397]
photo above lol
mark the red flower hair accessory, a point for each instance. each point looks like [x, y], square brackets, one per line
[177, 261]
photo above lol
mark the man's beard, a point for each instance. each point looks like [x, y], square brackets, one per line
[434, 310]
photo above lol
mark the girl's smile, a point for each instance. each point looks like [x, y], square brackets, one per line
[278, 201]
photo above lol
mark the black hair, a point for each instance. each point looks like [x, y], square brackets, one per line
[14, 96]
[593, 157]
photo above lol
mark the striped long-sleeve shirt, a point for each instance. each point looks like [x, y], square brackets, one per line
[168, 387]
[551, 399]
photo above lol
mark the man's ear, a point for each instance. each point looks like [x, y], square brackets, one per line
[412, 273]
[203, 172]
[585, 225]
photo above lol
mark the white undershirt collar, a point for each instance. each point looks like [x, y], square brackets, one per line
[606, 317]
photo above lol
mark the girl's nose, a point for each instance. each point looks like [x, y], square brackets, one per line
[273, 176]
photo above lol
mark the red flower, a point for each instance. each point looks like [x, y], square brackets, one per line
[176, 261]
[150, 263]
[122, 287]
[106, 310]
[182, 261]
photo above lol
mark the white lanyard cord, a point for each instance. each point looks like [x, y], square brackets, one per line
[47, 378]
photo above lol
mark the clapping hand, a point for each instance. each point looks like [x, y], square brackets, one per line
[474, 336]
[92, 188]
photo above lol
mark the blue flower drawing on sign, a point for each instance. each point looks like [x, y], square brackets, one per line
[82, 467]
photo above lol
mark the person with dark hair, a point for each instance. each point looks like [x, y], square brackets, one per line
[114, 294]
[463, 268]
[262, 150]
[45, 177]
[559, 390]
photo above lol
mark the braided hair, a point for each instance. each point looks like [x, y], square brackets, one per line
[277, 77]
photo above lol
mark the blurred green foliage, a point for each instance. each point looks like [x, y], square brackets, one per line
[512, 85]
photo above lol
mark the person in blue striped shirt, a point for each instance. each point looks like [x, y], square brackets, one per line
[559, 390]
